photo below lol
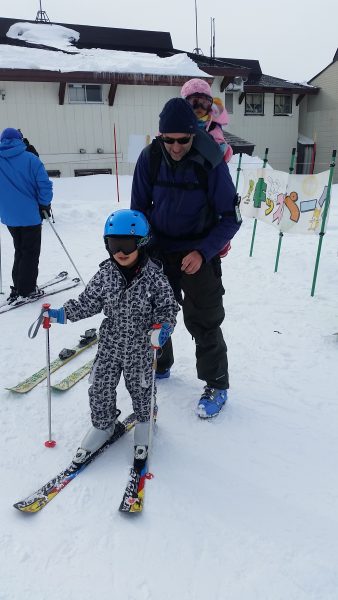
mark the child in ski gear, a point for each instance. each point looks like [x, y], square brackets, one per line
[25, 190]
[209, 111]
[134, 294]
[211, 116]
[191, 208]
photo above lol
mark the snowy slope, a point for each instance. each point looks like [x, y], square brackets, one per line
[241, 508]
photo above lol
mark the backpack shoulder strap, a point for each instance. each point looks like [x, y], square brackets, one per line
[155, 157]
[202, 176]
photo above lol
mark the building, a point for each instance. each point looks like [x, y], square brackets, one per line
[318, 122]
[70, 88]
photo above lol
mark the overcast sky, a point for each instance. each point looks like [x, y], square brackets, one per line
[292, 39]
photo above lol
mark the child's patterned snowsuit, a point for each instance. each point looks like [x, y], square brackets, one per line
[124, 341]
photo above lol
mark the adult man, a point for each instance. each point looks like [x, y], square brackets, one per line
[190, 202]
[26, 192]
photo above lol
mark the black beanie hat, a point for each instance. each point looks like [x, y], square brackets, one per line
[178, 116]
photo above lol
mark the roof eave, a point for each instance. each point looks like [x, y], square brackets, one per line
[258, 89]
[43, 76]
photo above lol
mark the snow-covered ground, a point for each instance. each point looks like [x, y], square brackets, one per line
[241, 508]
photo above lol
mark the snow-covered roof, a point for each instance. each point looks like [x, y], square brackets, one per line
[45, 34]
[96, 59]
[68, 58]
[306, 141]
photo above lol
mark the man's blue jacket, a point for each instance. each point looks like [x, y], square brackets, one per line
[24, 185]
[189, 217]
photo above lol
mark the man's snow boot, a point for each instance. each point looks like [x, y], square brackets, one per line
[163, 374]
[35, 293]
[211, 402]
[13, 295]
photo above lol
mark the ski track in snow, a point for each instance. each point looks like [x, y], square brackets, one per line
[243, 507]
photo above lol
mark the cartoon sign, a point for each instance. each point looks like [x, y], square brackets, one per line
[291, 203]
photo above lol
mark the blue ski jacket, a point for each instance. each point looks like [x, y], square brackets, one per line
[24, 185]
[184, 214]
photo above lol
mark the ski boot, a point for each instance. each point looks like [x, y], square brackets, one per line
[211, 402]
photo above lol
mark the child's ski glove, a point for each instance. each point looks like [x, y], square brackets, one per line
[57, 315]
[159, 335]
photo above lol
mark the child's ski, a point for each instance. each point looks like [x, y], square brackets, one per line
[50, 292]
[71, 379]
[36, 501]
[133, 497]
[87, 340]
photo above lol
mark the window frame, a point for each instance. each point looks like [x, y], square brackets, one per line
[285, 113]
[254, 114]
[84, 86]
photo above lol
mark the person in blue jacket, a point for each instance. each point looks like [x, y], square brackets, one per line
[25, 198]
[183, 186]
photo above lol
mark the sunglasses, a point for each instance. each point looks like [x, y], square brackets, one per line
[125, 244]
[181, 141]
[200, 102]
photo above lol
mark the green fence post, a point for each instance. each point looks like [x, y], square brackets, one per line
[291, 168]
[238, 169]
[258, 196]
[325, 212]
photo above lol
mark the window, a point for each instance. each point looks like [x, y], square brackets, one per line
[254, 104]
[229, 103]
[283, 104]
[84, 172]
[54, 173]
[78, 92]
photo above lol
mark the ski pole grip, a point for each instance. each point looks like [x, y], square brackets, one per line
[46, 320]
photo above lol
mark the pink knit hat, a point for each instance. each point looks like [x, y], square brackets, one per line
[196, 86]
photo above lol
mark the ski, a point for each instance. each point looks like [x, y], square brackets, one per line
[50, 292]
[71, 379]
[133, 497]
[38, 500]
[87, 340]
[57, 279]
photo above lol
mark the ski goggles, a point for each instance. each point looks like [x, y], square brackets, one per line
[202, 101]
[181, 140]
[125, 244]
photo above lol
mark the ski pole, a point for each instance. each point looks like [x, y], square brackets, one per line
[116, 166]
[46, 325]
[63, 246]
[152, 404]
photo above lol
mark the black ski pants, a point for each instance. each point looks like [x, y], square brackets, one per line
[203, 313]
[27, 245]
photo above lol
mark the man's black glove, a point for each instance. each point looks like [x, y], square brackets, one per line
[45, 211]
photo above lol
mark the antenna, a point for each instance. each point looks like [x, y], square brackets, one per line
[196, 50]
[212, 37]
[41, 16]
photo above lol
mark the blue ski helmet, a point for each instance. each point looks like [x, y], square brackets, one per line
[127, 222]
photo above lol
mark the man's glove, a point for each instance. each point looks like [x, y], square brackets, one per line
[45, 211]
[159, 335]
[224, 252]
[56, 315]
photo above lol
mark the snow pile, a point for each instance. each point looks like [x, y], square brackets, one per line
[241, 508]
[44, 34]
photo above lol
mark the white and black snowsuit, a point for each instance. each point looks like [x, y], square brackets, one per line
[124, 341]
